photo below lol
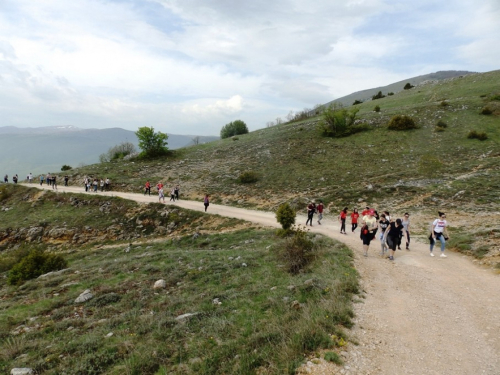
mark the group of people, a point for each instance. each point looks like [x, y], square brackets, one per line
[94, 184]
[51, 180]
[391, 231]
[174, 192]
[14, 179]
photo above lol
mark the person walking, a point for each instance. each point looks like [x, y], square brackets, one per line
[54, 182]
[392, 233]
[107, 184]
[320, 209]
[6, 179]
[406, 224]
[383, 223]
[311, 209]
[66, 179]
[354, 219]
[342, 218]
[15, 179]
[30, 178]
[206, 202]
[439, 232]
[176, 190]
[368, 230]
[172, 194]
[161, 196]
[147, 188]
[95, 183]
[101, 183]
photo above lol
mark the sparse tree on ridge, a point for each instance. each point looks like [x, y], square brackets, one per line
[233, 128]
[152, 144]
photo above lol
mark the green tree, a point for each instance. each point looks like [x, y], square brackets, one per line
[233, 128]
[152, 144]
[285, 215]
[337, 121]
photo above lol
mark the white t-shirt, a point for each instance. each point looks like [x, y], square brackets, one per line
[439, 225]
[371, 222]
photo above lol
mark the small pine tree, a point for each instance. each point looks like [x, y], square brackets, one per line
[285, 215]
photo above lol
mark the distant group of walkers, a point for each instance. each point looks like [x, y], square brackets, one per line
[94, 184]
[392, 231]
[14, 179]
[174, 191]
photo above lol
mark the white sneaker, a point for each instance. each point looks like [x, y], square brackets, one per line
[432, 255]
[443, 256]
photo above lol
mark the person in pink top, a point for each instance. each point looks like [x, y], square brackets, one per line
[342, 218]
[354, 219]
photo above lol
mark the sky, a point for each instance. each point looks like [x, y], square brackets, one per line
[192, 66]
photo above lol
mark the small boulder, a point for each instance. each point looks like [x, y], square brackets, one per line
[84, 297]
[160, 284]
[22, 371]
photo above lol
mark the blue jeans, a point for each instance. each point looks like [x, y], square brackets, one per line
[440, 238]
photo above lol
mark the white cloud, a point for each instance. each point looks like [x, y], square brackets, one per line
[193, 65]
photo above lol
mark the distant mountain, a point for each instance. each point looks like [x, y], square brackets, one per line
[365, 95]
[47, 149]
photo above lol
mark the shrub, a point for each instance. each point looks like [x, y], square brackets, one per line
[337, 121]
[377, 108]
[233, 128]
[486, 111]
[248, 177]
[408, 86]
[356, 102]
[379, 95]
[151, 143]
[333, 357]
[390, 93]
[442, 124]
[402, 122]
[285, 215]
[495, 97]
[476, 135]
[66, 168]
[35, 264]
[444, 103]
[297, 251]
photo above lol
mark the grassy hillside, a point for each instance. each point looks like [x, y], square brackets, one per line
[381, 167]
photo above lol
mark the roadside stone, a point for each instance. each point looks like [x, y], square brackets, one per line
[184, 317]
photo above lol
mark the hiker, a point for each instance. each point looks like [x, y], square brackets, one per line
[383, 223]
[101, 183]
[107, 184]
[392, 233]
[368, 230]
[320, 208]
[54, 183]
[342, 218]
[365, 211]
[439, 231]
[147, 188]
[6, 179]
[66, 179]
[311, 209]
[206, 202]
[94, 183]
[85, 183]
[161, 196]
[176, 190]
[30, 178]
[15, 179]
[354, 219]
[172, 194]
[406, 224]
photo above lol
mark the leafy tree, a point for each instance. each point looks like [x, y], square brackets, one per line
[34, 265]
[233, 128]
[408, 86]
[356, 102]
[377, 108]
[378, 96]
[152, 144]
[118, 152]
[66, 168]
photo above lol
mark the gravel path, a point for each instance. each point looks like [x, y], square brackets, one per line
[418, 315]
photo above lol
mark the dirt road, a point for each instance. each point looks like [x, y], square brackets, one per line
[420, 315]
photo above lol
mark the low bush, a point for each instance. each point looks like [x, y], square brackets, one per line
[285, 215]
[297, 251]
[248, 177]
[477, 135]
[390, 94]
[444, 103]
[376, 109]
[379, 95]
[442, 124]
[356, 102]
[408, 86]
[35, 264]
[496, 97]
[337, 121]
[486, 111]
[66, 168]
[402, 122]
[333, 357]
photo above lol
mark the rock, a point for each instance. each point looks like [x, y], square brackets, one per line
[216, 301]
[54, 273]
[22, 371]
[291, 287]
[184, 317]
[243, 264]
[309, 282]
[109, 334]
[84, 297]
[296, 305]
[160, 284]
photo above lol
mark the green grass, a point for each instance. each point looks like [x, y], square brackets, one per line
[254, 327]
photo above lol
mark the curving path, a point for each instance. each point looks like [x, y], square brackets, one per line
[420, 315]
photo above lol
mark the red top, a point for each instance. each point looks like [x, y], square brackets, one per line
[365, 212]
[320, 208]
[148, 185]
[343, 215]
[354, 217]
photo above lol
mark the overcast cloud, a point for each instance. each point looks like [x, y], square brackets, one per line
[191, 66]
